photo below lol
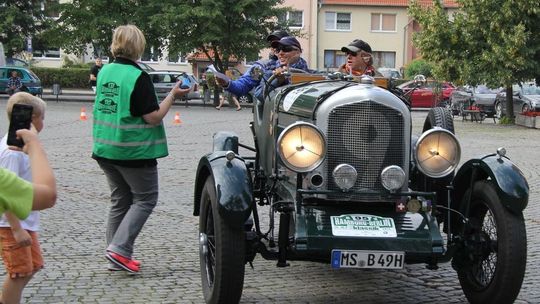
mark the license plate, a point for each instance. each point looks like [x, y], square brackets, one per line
[367, 259]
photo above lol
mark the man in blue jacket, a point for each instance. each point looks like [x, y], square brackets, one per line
[288, 51]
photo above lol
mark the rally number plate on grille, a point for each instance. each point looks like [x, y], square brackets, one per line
[367, 259]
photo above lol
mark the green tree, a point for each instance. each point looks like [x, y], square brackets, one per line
[84, 22]
[418, 66]
[493, 42]
[219, 28]
[19, 20]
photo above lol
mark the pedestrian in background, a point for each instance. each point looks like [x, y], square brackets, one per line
[205, 87]
[14, 83]
[129, 137]
[21, 252]
[229, 97]
[94, 71]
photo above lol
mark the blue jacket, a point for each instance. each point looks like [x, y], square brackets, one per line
[246, 83]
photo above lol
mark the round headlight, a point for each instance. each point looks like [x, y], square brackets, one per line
[392, 178]
[345, 176]
[302, 147]
[437, 152]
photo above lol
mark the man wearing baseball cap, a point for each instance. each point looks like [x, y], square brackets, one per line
[288, 52]
[359, 59]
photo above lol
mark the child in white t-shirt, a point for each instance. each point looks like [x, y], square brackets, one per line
[20, 247]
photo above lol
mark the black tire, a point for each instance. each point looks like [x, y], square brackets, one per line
[439, 117]
[495, 253]
[223, 261]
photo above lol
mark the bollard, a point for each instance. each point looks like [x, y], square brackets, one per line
[56, 90]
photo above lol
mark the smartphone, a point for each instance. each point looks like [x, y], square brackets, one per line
[185, 83]
[21, 118]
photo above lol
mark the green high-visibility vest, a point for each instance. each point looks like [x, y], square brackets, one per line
[117, 134]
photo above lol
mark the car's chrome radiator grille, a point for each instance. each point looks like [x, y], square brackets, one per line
[368, 136]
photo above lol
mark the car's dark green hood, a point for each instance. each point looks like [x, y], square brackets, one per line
[302, 99]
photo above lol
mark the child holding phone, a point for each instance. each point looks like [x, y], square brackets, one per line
[20, 247]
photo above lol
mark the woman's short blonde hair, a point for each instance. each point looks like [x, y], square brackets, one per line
[28, 99]
[128, 41]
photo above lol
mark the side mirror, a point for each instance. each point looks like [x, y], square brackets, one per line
[419, 80]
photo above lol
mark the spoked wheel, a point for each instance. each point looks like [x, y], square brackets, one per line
[244, 99]
[492, 264]
[222, 252]
[498, 110]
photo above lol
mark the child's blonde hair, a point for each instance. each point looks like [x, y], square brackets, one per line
[128, 41]
[28, 99]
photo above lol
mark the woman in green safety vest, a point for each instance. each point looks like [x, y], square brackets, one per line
[128, 138]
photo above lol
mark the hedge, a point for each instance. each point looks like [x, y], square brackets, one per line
[66, 77]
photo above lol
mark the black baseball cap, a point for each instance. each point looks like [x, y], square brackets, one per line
[357, 45]
[276, 35]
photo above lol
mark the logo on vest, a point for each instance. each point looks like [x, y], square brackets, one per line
[110, 89]
[107, 106]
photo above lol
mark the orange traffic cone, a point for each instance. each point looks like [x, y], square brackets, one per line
[177, 120]
[83, 114]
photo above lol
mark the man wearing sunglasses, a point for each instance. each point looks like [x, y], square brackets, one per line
[288, 54]
[359, 59]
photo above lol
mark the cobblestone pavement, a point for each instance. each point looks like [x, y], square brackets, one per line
[74, 230]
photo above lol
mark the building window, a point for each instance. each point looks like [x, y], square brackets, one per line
[177, 58]
[295, 19]
[50, 8]
[337, 21]
[334, 59]
[383, 23]
[384, 59]
[151, 54]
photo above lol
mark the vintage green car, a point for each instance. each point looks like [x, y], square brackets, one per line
[335, 161]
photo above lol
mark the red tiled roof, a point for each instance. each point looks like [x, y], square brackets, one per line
[201, 56]
[404, 3]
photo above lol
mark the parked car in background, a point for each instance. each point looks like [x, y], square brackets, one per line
[28, 79]
[481, 96]
[390, 73]
[526, 97]
[432, 93]
[164, 81]
[145, 67]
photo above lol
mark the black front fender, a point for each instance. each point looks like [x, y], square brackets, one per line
[511, 185]
[234, 189]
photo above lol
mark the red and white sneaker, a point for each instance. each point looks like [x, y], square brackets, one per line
[125, 263]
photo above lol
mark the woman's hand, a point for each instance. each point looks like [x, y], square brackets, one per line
[177, 92]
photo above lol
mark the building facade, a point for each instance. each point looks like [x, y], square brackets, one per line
[325, 26]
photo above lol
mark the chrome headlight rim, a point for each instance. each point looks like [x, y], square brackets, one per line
[386, 180]
[284, 159]
[457, 157]
[345, 176]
